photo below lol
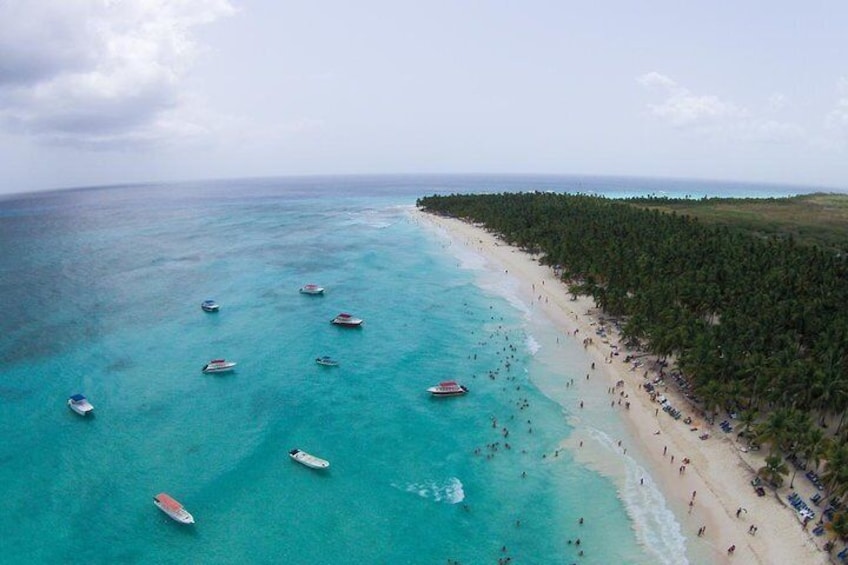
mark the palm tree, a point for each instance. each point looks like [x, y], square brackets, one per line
[836, 471]
[713, 396]
[747, 419]
[815, 446]
[773, 470]
[832, 391]
[760, 319]
[799, 426]
[775, 429]
[838, 526]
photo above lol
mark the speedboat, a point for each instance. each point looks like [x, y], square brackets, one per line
[210, 306]
[327, 361]
[346, 320]
[80, 404]
[219, 366]
[311, 289]
[173, 508]
[447, 388]
[309, 460]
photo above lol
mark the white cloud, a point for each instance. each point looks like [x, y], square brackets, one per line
[707, 114]
[656, 79]
[776, 102]
[682, 108]
[100, 72]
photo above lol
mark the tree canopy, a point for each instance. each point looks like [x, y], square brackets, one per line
[755, 322]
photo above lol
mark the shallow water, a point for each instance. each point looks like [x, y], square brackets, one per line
[102, 292]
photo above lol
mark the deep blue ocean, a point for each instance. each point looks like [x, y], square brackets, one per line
[101, 291]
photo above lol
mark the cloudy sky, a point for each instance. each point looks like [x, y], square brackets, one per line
[107, 91]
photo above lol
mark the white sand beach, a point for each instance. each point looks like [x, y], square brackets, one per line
[719, 471]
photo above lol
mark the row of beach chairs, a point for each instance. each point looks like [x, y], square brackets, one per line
[814, 479]
[798, 504]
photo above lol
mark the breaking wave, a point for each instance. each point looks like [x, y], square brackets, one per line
[656, 527]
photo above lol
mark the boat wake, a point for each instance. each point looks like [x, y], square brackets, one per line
[449, 491]
[656, 526]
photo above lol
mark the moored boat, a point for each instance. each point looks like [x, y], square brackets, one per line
[219, 366]
[327, 361]
[309, 460]
[173, 508]
[447, 388]
[311, 289]
[346, 320]
[80, 404]
[210, 306]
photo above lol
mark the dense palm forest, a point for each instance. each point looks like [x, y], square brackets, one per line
[757, 324]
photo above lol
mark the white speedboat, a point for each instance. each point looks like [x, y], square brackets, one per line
[80, 404]
[327, 361]
[309, 460]
[346, 320]
[219, 366]
[311, 289]
[173, 508]
[447, 388]
[210, 306]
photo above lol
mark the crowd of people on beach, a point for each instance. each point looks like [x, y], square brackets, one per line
[618, 394]
[648, 385]
[621, 398]
[647, 391]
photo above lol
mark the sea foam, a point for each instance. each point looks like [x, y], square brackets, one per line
[655, 525]
[449, 491]
[533, 346]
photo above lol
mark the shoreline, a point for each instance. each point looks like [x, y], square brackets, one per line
[717, 478]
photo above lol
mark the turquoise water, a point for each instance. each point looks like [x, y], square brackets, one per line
[102, 292]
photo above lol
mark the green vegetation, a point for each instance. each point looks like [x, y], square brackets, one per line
[750, 296]
[811, 219]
